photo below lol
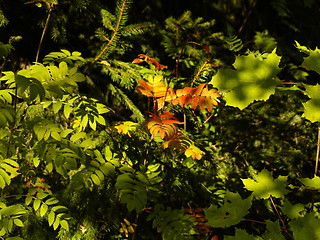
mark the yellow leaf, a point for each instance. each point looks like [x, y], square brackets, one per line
[194, 152]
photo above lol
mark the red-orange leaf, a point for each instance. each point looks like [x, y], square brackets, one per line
[156, 89]
[149, 60]
[200, 97]
[163, 125]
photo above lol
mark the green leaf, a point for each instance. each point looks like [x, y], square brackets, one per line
[77, 136]
[56, 106]
[51, 217]
[56, 223]
[43, 209]
[28, 200]
[36, 161]
[56, 136]
[67, 110]
[5, 176]
[312, 107]
[292, 211]
[253, 80]
[273, 231]
[311, 183]
[265, 186]
[306, 227]
[231, 213]
[3, 231]
[95, 179]
[312, 62]
[51, 201]
[2, 182]
[36, 204]
[18, 222]
[243, 235]
[10, 224]
[42, 195]
[64, 224]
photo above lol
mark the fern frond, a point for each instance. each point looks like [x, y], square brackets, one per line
[235, 43]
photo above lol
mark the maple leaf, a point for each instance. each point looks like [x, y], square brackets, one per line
[312, 107]
[231, 213]
[265, 185]
[163, 125]
[194, 152]
[254, 78]
[145, 58]
[311, 183]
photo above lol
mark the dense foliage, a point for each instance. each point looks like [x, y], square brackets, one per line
[159, 120]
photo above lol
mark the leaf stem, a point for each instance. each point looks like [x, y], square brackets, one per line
[280, 218]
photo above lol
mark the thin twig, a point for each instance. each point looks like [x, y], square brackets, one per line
[280, 218]
[44, 31]
[247, 17]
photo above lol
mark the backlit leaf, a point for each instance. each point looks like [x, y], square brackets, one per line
[43, 209]
[312, 107]
[18, 222]
[254, 78]
[36, 204]
[312, 183]
[51, 217]
[265, 186]
[194, 152]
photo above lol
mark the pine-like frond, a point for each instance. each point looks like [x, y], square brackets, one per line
[123, 73]
[122, 10]
[108, 19]
[136, 29]
[3, 20]
[117, 92]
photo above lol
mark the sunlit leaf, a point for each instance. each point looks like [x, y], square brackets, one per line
[265, 186]
[253, 79]
[194, 152]
[312, 107]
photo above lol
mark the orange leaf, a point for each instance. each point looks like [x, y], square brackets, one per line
[200, 97]
[163, 125]
[149, 60]
[138, 60]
